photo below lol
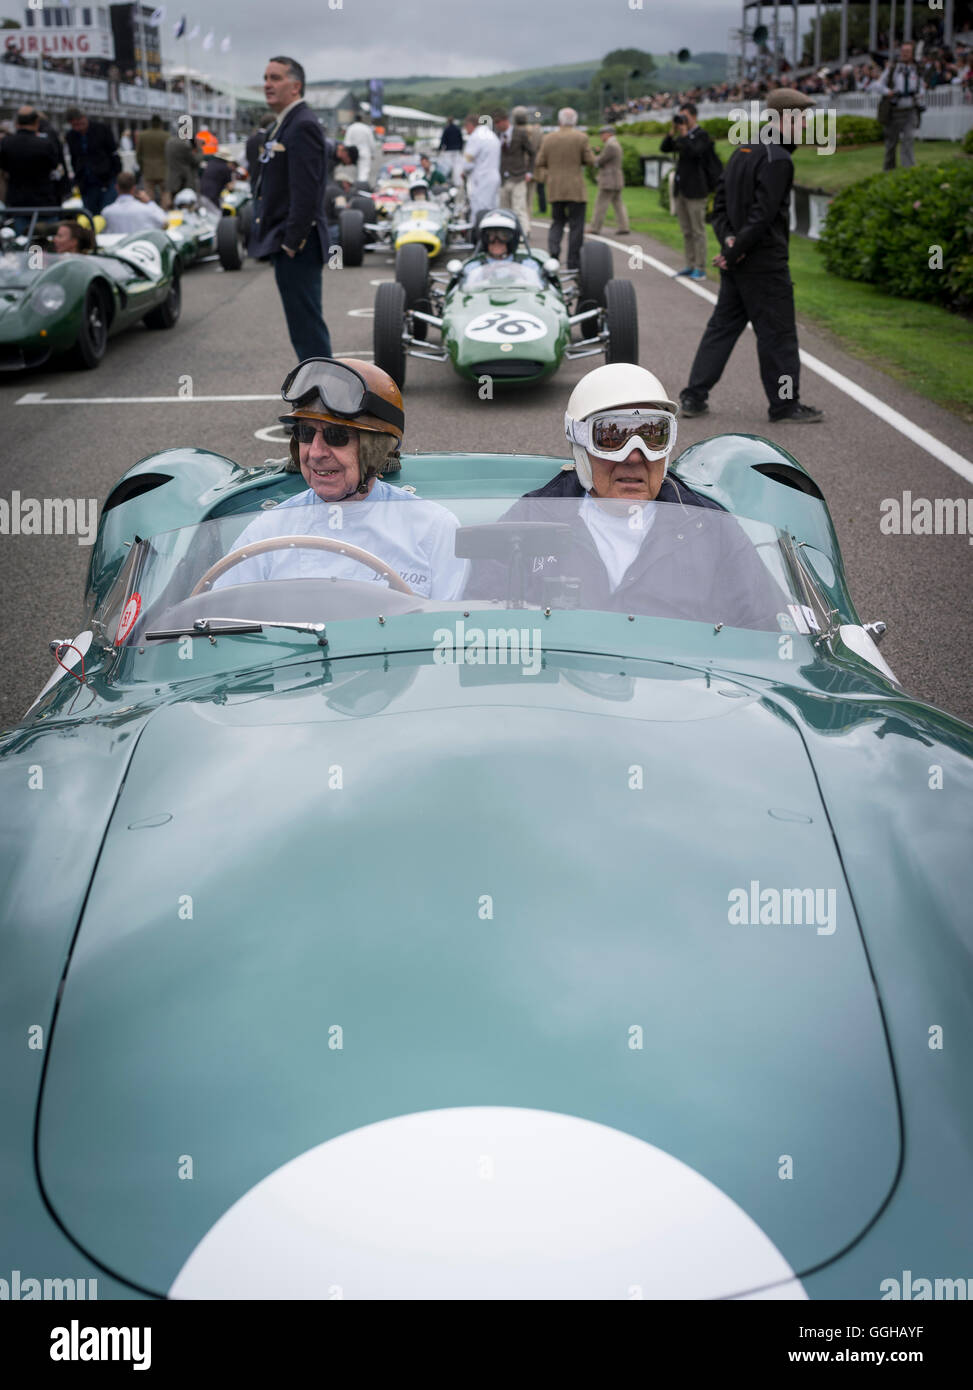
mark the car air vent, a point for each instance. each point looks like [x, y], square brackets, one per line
[134, 487]
[790, 477]
[512, 367]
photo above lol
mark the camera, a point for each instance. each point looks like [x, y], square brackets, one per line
[679, 120]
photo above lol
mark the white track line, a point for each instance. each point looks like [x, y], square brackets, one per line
[940, 451]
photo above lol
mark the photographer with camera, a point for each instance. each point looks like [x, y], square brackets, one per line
[901, 89]
[698, 172]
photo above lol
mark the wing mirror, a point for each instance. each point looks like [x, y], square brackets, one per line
[876, 630]
[552, 265]
[454, 266]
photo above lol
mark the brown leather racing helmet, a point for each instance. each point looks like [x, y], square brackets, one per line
[353, 393]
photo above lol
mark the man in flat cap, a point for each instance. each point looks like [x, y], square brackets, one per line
[751, 218]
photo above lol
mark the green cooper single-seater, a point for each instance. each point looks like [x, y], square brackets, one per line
[361, 944]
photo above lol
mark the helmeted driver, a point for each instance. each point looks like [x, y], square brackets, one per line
[629, 552]
[499, 234]
[418, 189]
[346, 424]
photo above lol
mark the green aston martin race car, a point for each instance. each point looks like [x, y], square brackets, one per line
[511, 319]
[52, 304]
[357, 943]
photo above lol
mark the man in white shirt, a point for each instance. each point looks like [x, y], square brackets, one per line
[346, 423]
[901, 83]
[481, 157]
[133, 210]
[359, 134]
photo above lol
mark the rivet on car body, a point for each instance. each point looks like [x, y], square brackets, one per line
[381, 620]
[718, 627]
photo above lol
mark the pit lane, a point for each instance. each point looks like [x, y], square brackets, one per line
[213, 381]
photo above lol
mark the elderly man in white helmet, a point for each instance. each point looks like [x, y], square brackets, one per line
[642, 541]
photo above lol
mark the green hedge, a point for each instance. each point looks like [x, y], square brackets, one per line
[968, 141]
[884, 230]
[717, 127]
[858, 130]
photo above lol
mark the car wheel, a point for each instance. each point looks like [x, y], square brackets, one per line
[229, 242]
[351, 234]
[594, 272]
[245, 218]
[622, 322]
[387, 329]
[361, 202]
[412, 273]
[167, 314]
[92, 340]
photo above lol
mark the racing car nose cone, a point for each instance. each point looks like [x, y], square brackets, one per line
[485, 1202]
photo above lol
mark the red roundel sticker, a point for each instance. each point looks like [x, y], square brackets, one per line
[128, 619]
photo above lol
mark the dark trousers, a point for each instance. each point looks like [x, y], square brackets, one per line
[573, 214]
[765, 299]
[299, 282]
[96, 196]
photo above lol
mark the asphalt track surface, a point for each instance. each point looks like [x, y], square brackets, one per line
[231, 341]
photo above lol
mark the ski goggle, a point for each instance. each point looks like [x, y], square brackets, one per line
[342, 391]
[335, 436]
[503, 234]
[615, 433]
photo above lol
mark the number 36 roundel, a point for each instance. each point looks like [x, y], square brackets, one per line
[506, 326]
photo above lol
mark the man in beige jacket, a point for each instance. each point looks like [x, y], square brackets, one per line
[150, 153]
[611, 181]
[560, 166]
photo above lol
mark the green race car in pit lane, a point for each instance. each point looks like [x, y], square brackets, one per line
[66, 304]
[247, 793]
[511, 318]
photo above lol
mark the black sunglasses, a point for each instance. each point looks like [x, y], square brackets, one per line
[335, 436]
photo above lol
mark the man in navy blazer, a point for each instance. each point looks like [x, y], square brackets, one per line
[289, 224]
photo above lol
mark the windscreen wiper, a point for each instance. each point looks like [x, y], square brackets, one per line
[226, 627]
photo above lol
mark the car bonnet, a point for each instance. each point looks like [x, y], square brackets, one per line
[354, 946]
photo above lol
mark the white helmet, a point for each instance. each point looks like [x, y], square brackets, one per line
[185, 198]
[612, 387]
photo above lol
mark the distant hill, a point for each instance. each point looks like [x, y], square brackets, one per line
[670, 75]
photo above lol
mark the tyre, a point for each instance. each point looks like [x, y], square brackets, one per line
[245, 219]
[92, 340]
[594, 272]
[412, 273]
[361, 202]
[387, 329]
[167, 314]
[351, 234]
[622, 322]
[229, 243]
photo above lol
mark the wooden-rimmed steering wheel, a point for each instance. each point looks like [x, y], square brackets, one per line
[353, 552]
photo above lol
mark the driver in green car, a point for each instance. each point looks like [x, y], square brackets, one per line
[346, 422]
[629, 552]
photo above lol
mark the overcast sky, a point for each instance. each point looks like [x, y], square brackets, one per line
[389, 38]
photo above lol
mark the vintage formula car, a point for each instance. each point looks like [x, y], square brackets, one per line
[199, 229]
[514, 321]
[72, 304]
[402, 212]
[522, 945]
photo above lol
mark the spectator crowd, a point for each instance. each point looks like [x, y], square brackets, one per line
[938, 66]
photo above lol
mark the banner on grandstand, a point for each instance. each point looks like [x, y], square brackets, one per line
[60, 43]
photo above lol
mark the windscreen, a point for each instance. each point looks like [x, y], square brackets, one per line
[313, 560]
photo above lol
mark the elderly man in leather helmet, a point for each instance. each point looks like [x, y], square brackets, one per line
[346, 424]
